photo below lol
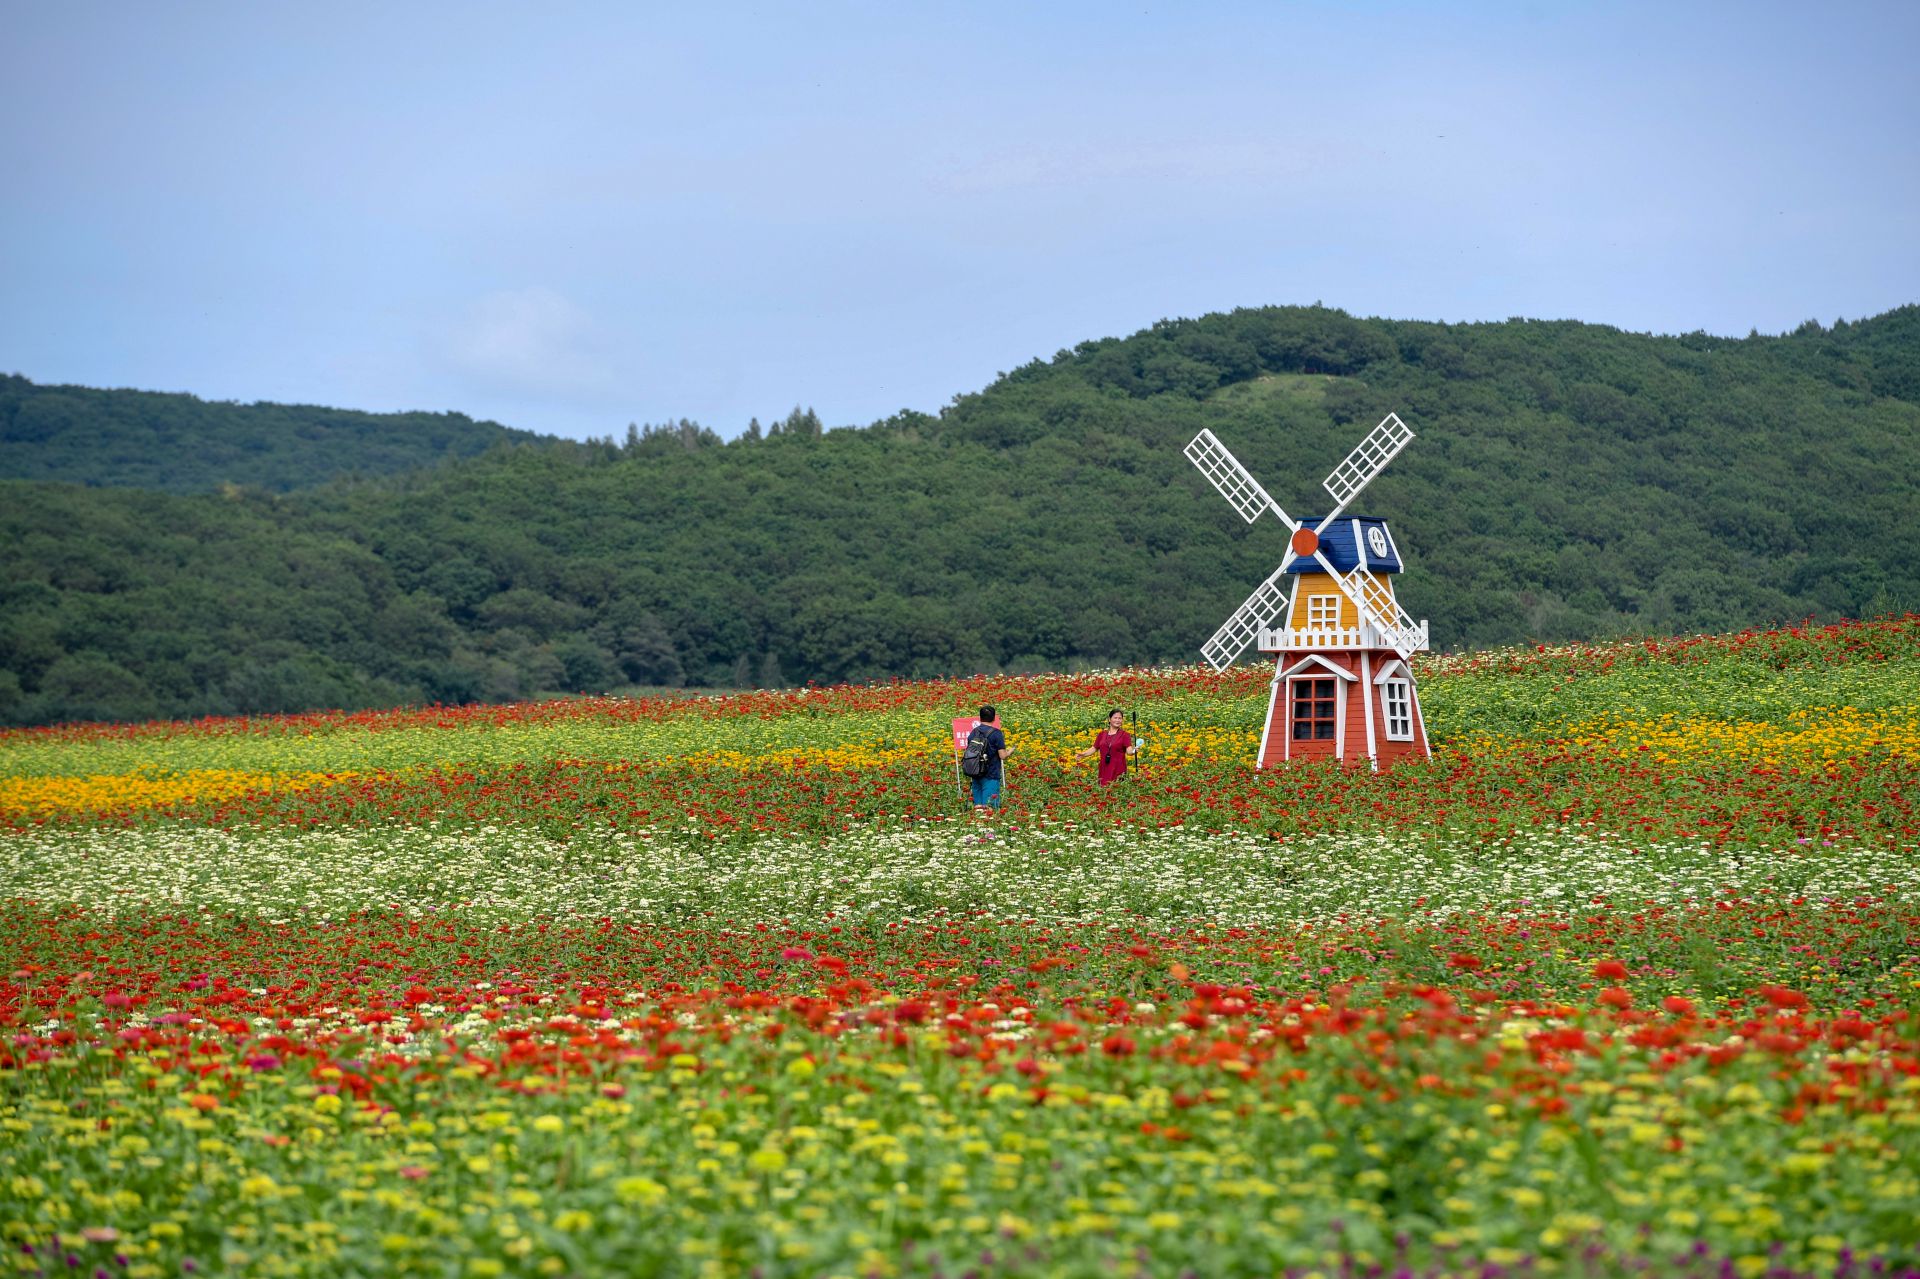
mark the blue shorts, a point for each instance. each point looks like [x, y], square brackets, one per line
[986, 792]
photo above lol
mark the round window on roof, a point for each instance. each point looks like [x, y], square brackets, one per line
[1377, 540]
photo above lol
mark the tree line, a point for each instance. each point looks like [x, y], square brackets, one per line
[183, 444]
[1569, 481]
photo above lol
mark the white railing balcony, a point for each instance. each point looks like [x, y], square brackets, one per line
[1311, 638]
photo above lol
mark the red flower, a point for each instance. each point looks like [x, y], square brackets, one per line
[1610, 970]
[1468, 962]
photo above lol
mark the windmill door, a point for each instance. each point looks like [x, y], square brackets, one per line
[1308, 720]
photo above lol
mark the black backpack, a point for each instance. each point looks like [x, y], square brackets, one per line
[977, 760]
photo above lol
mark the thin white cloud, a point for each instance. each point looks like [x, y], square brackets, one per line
[532, 339]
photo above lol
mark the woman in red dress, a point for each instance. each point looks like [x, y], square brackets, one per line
[1113, 745]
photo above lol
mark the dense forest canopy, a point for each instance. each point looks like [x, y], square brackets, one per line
[183, 444]
[1569, 481]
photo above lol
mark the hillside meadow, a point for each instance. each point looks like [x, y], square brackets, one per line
[1622, 980]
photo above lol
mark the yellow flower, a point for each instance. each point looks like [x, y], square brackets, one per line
[145, 788]
[641, 1190]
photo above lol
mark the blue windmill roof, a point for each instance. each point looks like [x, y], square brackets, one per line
[1345, 541]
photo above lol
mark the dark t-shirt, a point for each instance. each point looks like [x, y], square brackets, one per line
[996, 742]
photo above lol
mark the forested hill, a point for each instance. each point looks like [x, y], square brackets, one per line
[1568, 481]
[183, 444]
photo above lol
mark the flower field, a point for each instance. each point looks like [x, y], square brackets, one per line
[1624, 980]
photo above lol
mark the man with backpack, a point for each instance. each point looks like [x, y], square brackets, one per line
[980, 762]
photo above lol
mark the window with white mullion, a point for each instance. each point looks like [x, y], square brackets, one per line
[1323, 611]
[1316, 709]
[1396, 696]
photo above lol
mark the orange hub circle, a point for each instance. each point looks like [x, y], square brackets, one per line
[1305, 541]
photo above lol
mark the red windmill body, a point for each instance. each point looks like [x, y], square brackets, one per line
[1342, 683]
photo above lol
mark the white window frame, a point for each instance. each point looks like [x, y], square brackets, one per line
[1339, 709]
[1399, 718]
[1317, 667]
[1323, 612]
[1396, 672]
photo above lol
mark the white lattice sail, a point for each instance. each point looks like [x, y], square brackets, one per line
[1225, 473]
[1379, 609]
[1267, 602]
[1368, 457]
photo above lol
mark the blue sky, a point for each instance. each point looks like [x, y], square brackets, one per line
[572, 217]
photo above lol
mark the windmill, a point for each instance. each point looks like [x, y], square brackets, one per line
[1342, 686]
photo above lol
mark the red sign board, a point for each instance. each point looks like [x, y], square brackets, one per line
[961, 727]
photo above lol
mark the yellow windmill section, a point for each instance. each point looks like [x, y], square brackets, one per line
[1319, 602]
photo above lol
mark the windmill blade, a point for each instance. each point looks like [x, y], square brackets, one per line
[1402, 633]
[1367, 460]
[1225, 473]
[1354, 586]
[1375, 604]
[1231, 640]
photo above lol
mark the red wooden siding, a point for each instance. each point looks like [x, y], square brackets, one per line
[1278, 747]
